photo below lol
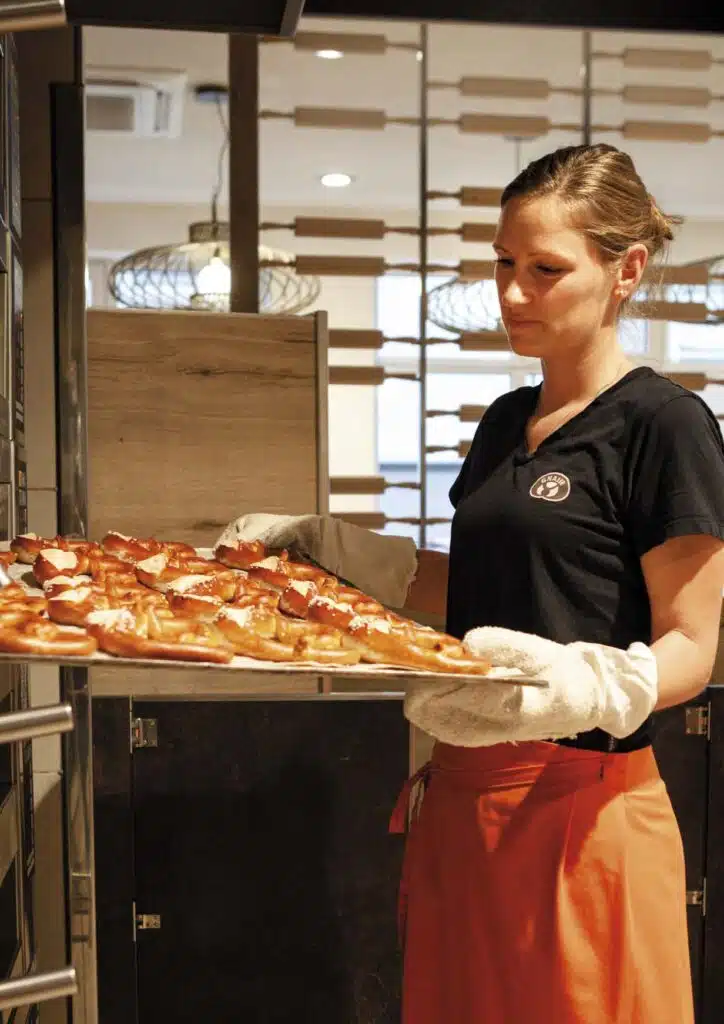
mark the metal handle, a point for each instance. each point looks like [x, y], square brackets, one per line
[17, 16]
[29, 725]
[38, 988]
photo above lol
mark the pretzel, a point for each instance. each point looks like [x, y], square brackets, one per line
[57, 584]
[262, 634]
[129, 549]
[277, 572]
[201, 607]
[240, 554]
[51, 562]
[296, 597]
[224, 586]
[160, 569]
[8, 558]
[73, 606]
[38, 636]
[408, 646]
[27, 546]
[142, 634]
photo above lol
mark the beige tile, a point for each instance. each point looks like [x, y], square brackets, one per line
[39, 344]
[42, 512]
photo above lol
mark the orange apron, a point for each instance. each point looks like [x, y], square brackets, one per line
[542, 884]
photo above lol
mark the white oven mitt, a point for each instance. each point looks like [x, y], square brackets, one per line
[382, 566]
[587, 686]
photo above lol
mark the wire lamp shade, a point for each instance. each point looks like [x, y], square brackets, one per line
[196, 275]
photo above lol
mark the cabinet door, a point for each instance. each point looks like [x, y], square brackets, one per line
[683, 758]
[714, 922]
[263, 863]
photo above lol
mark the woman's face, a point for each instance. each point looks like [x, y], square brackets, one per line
[556, 293]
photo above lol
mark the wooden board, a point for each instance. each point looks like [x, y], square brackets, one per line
[196, 418]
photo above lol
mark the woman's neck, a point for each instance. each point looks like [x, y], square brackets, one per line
[581, 378]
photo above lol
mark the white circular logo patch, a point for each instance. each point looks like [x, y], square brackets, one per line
[551, 487]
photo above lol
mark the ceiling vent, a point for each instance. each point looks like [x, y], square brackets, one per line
[138, 103]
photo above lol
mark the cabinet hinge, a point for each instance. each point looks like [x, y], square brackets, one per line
[698, 720]
[144, 733]
[147, 923]
[697, 897]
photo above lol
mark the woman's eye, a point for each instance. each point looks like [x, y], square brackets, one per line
[548, 270]
[504, 261]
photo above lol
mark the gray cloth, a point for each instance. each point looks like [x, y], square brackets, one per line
[381, 566]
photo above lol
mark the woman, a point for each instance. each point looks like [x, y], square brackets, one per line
[544, 877]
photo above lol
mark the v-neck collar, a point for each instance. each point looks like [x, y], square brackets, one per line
[637, 371]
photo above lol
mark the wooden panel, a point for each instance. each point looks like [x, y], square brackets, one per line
[672, 95]
[331, 117]
[338, 227]
[340, 266]
[357, 375]
[356, 338]
[692, 381]
[478, 232]
[502, 124]
[472, 195]
[688, 60]
[681, 312]
[484, 341]
[472, 413]
[204, 684]
[696, 273]
[195, 418]
[510, 88]
[357, 485]
[666, 131]
[477, 270]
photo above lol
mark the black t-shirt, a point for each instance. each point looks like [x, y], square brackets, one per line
[550, 542]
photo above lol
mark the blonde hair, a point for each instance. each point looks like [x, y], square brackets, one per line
[607, 199]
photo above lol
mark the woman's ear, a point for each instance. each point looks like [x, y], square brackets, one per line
[630, 271]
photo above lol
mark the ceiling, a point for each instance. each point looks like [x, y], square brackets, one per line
[686, 179]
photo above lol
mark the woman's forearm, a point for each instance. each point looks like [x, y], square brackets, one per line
[428, 591]
[684, 668]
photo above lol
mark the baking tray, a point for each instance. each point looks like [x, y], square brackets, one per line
[240, 663]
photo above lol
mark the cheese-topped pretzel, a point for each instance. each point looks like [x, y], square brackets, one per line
[38, 636]
[27, 546]
[142, 634]
[240, 554]
[161, 569]
[129, 549]
[277, 572]
[72, 607]
[405, 645]
[224, 586]
[263, 634]
[57, 584]
[51, 562]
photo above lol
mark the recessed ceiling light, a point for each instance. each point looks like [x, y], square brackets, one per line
[336, 179]
[419, 55]
[329, 54]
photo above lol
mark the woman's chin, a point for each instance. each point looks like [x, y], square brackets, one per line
[526, 343]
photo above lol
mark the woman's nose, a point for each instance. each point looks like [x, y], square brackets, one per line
[512, 294]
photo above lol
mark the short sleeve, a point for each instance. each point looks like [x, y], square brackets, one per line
[677, 475]
[458, 488]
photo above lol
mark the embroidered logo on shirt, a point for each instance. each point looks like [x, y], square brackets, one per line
[551, 487]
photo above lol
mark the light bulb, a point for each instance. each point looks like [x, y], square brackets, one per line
[336, 179]
[329, 54]
[214, 278]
